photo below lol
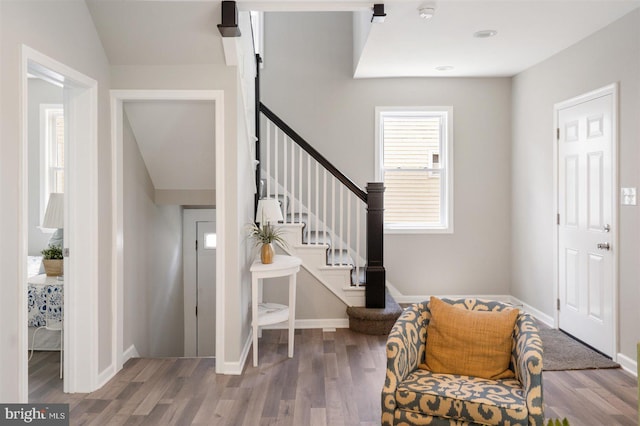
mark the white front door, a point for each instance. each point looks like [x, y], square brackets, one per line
[586, 223]
[199, 267]
[206, 289]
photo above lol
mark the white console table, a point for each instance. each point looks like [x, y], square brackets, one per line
[273, 313]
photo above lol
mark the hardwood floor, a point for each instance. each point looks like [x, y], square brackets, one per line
[335, 378]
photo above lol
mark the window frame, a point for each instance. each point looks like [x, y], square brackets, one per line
[446, 160]
[48, 112]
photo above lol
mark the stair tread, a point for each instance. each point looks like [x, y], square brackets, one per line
[316, 238]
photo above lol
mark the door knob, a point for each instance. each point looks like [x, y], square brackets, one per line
[606, 228]
[604, 246]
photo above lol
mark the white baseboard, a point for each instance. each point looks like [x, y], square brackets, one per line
[538, 314]
[627, 364]
[419, 299]
[130, 352]
[235, 367]
[324, 323]
[105, 375]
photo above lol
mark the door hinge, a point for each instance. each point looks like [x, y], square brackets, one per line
[558, 133]
[65, 252]
[558, 304]
[196, 310]
[558, 219]
[196, 245]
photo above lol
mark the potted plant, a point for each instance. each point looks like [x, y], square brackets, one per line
[52, 260]
[266, 235]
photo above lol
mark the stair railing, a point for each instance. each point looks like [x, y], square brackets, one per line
[326, 200]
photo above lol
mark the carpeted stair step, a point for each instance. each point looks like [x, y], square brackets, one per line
[298, 219]
[319, 238]
[374, 321]
[339, 257]
[360, 279]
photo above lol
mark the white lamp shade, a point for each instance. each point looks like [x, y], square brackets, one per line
[268, 211]
[54, 215]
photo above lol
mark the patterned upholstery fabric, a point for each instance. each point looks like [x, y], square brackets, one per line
[418, 397]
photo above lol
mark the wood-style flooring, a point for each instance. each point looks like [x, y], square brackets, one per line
[335, 378]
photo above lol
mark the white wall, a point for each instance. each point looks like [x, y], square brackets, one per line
[153, 288]
[307, 80]
[610, 55]
[40, 92]
[64, 31]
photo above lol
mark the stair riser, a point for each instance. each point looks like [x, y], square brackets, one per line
[314, 259]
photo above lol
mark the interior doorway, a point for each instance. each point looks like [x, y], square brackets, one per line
[119, 99]
[76, 173]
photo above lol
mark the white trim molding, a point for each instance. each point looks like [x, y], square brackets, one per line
[538, 314]
[118, 97]
[301, 324]
[235, 368]
[628, 364]
[81, 331]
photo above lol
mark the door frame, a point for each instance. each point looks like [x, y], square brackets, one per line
[192, 217]
[118, 97]
[611, 89]
[81, 208]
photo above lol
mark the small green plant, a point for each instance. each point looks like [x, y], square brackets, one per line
[557, 422]
[266, 234]
[52, 252]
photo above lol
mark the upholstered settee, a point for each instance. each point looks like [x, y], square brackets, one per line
[416, 396]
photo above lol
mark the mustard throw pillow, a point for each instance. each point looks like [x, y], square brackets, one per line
[470, 343]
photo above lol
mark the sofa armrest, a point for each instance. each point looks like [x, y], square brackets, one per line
[405, 350]
[527, 360]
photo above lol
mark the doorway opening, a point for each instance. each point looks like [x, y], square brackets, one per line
[68, 169]
[128, 110]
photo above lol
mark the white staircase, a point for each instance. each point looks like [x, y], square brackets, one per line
[336, 277]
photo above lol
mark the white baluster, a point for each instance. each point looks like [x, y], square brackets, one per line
[300, 185]
[285, 168]
[357, 243]
[324, 202]
[268, 164]
[293, 182]
[275, 160]
[341, 217]
[308, 199]
[333, 220]
[349, 223]
[317, 206]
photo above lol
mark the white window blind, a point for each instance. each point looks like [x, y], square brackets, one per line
[411, 147]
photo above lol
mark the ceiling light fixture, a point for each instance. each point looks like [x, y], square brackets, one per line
[485, 33]
[378, 13]
[426, 12]
[444, 68]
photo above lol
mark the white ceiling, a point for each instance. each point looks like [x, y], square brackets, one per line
[179, 32]
[529, 32]
[177, 142]
[159, 32]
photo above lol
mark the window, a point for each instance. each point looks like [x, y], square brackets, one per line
[52, 152]
[210, 240]
[413, 159]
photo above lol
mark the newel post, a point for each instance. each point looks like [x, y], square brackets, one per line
[375, 273]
